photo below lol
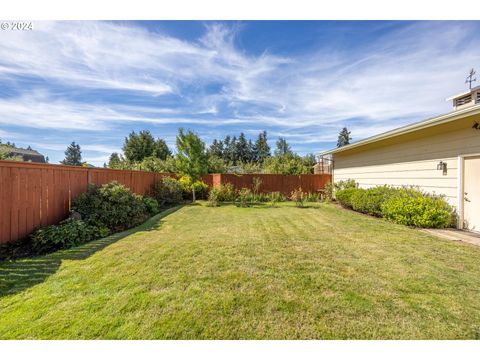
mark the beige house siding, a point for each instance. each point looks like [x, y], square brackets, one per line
[412, 159]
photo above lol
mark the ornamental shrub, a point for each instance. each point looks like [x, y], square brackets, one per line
[151, 205]
[225, 192]
[369, 201]
[312, 197]
[167, 190]
[214, 196]
[345, 184]
[409, 206]
[69, 233]
[201, 189]
[110, 205]
[344, 197]
[298, 196]
[244, 197]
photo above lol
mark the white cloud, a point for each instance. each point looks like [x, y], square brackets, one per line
[400, 77]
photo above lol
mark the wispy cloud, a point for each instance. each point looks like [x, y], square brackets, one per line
[98, 76]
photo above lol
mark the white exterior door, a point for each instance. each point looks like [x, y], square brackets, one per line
[472, 194]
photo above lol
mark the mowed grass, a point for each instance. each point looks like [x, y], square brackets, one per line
[249, 273]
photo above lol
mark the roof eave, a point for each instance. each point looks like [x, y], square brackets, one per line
[442, 119]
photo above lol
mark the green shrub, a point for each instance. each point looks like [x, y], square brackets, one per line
[167, 190]
[110, 205]
[151, 205]
[201, 189]
[412, 207]
[344, 196]
[68, 233]
[277, 196]
[328, 192]
[262, 197]
[312, 197]
[214, 196]
[244, 197]
[298, 196]
[345, 184]
[256, 184]
[369, 201]
[225, 192]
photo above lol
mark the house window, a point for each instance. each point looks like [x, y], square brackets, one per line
[477, 99]
[464, 100]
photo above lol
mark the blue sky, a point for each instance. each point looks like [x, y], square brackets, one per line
[94, 82]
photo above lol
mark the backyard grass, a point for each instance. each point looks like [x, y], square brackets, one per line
[198, 272]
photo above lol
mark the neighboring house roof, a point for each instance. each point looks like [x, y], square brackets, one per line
[442, 119]
[27, 155]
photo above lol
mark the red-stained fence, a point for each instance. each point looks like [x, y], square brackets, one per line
[35, 195]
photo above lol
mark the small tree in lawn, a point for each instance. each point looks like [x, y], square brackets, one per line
[192, 157]
[73, 155]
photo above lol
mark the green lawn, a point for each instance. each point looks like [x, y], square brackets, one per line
[249, 273]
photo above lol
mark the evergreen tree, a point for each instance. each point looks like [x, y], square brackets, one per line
[232, 155]
[226, 148]
[310, 160]
[114, 161]
[216, 149]
[73, 155]
[138, 146]
[47, 159]
[161, 150]
[261, 148]
[251, 151]
[343, 137]
[283, 149]
[242, 149]
[191, 156]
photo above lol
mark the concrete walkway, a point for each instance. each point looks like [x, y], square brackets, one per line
[456, 235]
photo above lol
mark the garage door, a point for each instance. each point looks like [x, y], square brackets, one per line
[472, 194]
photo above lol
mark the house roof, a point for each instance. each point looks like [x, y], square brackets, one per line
[442, 119]
[26, 154]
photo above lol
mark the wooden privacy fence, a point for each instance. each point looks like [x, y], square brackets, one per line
[285, 184]
[35, 195]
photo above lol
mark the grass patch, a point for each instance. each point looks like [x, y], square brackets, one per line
[318, 272]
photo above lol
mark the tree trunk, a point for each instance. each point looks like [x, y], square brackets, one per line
[193, 193]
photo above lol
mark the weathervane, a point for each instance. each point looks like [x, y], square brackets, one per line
[470, 78]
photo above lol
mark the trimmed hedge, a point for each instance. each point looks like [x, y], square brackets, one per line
[414, 208]
[344, 196]
[406, 206]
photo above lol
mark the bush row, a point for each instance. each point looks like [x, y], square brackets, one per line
[245, 196]
[406, 205]
[98, 212]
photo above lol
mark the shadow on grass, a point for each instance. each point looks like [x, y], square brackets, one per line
[19, 275]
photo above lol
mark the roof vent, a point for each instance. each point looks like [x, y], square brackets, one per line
[467, 98]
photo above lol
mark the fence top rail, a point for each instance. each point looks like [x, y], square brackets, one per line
[33, 165]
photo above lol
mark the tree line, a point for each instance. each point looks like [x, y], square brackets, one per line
[142, 151]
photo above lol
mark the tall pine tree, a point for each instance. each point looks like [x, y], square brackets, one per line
[261, 148]
[73, 155]
[283, 149]
[343, 137]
